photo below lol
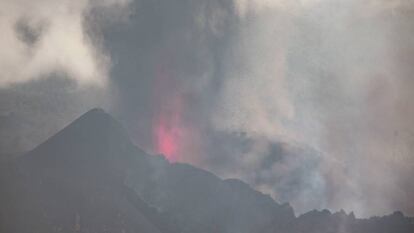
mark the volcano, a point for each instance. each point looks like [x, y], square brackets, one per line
[89, 177]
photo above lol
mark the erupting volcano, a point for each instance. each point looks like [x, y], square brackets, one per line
[167, 124]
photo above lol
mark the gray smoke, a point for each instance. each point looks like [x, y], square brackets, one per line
[333, 75]
[309, 101]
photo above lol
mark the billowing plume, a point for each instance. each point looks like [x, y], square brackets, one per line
[40, 38]
[309, 101]
[333, 75]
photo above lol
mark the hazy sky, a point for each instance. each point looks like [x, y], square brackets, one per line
[309, 101]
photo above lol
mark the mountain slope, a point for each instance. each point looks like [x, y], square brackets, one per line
[72, 183]
[89, 177]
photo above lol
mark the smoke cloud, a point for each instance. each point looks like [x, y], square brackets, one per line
[53, 67]
[45, 36]
[309, 101]
[338, 84]
[328, 74]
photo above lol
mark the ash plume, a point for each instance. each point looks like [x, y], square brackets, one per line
[300, 99]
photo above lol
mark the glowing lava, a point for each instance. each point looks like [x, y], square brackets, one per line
[167, 125]
[166, 144]
[166, 138]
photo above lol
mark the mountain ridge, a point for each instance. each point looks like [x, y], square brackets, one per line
[92, 165]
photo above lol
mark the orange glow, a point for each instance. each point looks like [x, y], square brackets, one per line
[166, 138]
[167, 122]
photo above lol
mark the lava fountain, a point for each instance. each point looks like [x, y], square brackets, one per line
[167, 134]
[167, 125]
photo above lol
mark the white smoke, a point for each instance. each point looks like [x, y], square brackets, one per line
[45, 37]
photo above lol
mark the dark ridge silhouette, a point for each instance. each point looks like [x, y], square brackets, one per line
[89, 177]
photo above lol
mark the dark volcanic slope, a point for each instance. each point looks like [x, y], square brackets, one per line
[74, 183]
[90, 178]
